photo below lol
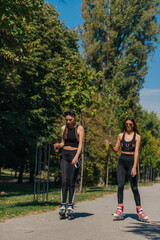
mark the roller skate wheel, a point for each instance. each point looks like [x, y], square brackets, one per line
[70, 217]
[118, 219]
[144, 220]
[61, 217]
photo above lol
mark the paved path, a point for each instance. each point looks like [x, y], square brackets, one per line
[93, 221]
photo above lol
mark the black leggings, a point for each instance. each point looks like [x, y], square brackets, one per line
[69, 174]
[125, 164]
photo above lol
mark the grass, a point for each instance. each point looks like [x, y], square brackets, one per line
[17, 199]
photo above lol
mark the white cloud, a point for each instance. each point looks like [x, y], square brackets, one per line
[150, 100]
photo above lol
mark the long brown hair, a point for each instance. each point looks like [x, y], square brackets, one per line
[135, 129]
[72, 114]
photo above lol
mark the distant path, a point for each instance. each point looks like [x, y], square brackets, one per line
[93, 221]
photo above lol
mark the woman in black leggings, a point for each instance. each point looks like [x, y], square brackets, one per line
[72, 137]
[129, 140]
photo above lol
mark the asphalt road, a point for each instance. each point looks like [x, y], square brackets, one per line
[93, 221]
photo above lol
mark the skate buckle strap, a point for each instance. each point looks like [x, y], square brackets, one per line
[119, 211]
[141, 213]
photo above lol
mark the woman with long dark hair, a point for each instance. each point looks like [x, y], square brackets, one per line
[72, 136]
[129, 141]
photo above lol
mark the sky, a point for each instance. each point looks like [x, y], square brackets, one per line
[70, 14]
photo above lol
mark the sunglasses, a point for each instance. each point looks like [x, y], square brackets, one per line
[128, 124]
[71, 113]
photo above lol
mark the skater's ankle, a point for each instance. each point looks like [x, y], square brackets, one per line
[71, 205]
[120, 206]
[62, 204]
[138, 207]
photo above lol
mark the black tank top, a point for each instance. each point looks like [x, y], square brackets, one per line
[71, 139]
[128, 146]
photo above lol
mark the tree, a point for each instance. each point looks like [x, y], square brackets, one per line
[118, 36]
[33, 96]
[80, 87]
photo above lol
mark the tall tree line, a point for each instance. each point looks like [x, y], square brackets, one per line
[118, 37]
[42, 73]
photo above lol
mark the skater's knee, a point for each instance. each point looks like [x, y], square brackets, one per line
[120, 188]
[135, 189]
[65, 182]
[72, 184]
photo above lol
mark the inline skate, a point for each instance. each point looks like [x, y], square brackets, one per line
[62, 211]
[70, 211]
[142, 216]
[118, 215]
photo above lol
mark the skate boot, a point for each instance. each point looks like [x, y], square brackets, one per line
[142, 216]
[62, 211]
[70, 211]
[118, 215]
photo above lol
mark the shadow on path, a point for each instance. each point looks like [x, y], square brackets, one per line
[29, 204]
[148, 230]
[130, 215]
[82, 214]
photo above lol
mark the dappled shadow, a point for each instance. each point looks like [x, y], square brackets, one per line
[101, 189]
[31, 203]
[13, 189]
[148, 230]
[82, 214]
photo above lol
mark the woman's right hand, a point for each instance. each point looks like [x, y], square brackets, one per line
[56, 147]
[107, 141]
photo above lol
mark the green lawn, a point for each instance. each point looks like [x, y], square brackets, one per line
[17, 199]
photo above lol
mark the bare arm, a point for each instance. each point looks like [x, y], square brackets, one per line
[136, 155]
[116, 148]
[81, 139]
[62, 140]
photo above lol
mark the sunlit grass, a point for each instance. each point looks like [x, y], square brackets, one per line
[17, 199]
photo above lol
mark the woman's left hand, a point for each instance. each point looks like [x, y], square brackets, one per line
[133, 172]
[75, 160]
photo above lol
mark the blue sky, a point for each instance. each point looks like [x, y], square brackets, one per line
[70, 13]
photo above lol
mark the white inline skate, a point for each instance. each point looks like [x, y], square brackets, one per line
[118, 215]
[62, 211]
[70, 212]
[142, 216]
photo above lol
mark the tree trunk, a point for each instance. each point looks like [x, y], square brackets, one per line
[31, 175]
[20, 177]
[15, 175]
[151, 175]
[107, 169]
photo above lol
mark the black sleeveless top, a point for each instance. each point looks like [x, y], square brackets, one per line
[128, 146]
[71, 139]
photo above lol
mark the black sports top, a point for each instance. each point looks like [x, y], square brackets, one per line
[71, 139]
[128, 146]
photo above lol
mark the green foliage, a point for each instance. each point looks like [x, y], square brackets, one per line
[17, 199]
[79, 83]
[118, 36]
[42, 74]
